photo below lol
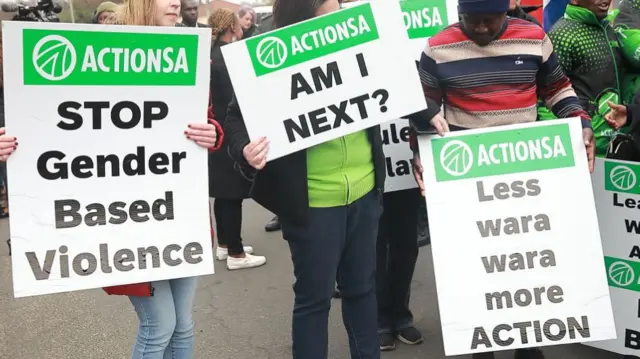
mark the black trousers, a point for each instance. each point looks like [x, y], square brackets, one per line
[228, 215]
[397, 253]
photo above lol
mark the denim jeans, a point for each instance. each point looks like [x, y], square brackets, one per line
[396, 256]
[337, 244]
[166, 324]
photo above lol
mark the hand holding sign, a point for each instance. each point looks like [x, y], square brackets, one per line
[203, 134]
[8, 144]
[440, 125]
[256, 152]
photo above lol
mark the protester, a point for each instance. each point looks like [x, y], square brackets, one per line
[163, 307]
[3, 165]
[584, 41]
[468, 78]
[226, 184]
[248, 21]
[516, 11]
[329, 218]
[553, 11]
[104, 11]
[189, 13]
[397, 254]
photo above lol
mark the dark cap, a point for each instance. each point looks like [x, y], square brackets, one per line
[483, 6]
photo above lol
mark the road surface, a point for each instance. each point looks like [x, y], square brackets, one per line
[239, 315]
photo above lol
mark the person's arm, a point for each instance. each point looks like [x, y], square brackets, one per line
[633, 118]
[555, 88]
[237, 137]
[433, 94]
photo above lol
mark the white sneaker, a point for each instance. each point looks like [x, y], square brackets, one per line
[223, 253]
[249, 261]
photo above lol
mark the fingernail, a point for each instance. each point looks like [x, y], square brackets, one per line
[16, 143]
[189, 137]
[186, 133]
[189, 126]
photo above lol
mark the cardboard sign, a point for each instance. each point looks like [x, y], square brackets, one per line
[422, 19]
[395, 141]
[324, 78]
[616, 189]
[105, 187]
[516, 246]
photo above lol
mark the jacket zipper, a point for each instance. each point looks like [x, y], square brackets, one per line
[343, 143]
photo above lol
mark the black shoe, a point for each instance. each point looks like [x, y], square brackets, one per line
[411, 336]
[387, 342]
[273, 225]
[336, 294]
[483, 356]
[533, 353]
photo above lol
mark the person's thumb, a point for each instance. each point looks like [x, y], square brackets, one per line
[615, 107]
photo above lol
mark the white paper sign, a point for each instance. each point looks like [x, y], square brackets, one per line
[617, 195]
[105, 187]
[398, 156]
[325, 78]
[516, 246]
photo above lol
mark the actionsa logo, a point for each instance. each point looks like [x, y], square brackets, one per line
[271, 52]
[54, 57]
[456, 158]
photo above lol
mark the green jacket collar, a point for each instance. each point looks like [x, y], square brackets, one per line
[580, 14]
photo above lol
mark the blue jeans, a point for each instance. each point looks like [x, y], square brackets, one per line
[166, 324]
[337, 244]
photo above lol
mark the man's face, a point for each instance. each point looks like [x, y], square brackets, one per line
[600, 8]
[190, 12]
[482, 28]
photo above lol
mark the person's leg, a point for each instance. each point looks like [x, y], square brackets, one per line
[402, 208]
[315, 252]
[273, 225]
[385, 332]
[157, 317]
[228, 213]
[357, 277]
[181, 344]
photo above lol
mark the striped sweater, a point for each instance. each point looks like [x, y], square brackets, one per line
[497, 84]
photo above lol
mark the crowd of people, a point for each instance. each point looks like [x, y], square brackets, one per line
[343, 231]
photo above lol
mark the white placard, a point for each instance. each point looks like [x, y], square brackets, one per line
[398, 156]
[516, 247]
[325, 78]
[617, 195]
[105, 187]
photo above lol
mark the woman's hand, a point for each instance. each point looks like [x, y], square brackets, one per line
[256, 152]
[203, 134]
[617, 117]
[8, 144]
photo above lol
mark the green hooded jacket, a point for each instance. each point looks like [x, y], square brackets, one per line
[590, 54]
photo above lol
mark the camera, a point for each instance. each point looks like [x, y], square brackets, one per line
[33, 10]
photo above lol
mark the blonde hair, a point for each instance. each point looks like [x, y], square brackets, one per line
[135, 12]
[220, 21]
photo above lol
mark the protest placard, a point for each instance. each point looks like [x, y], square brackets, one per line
[617, 196]
[324, 78]
[395, 139]
[105, 187]
[514, 223]
[425, 18]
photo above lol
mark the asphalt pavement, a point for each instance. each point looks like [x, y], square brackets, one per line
[239, 315]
